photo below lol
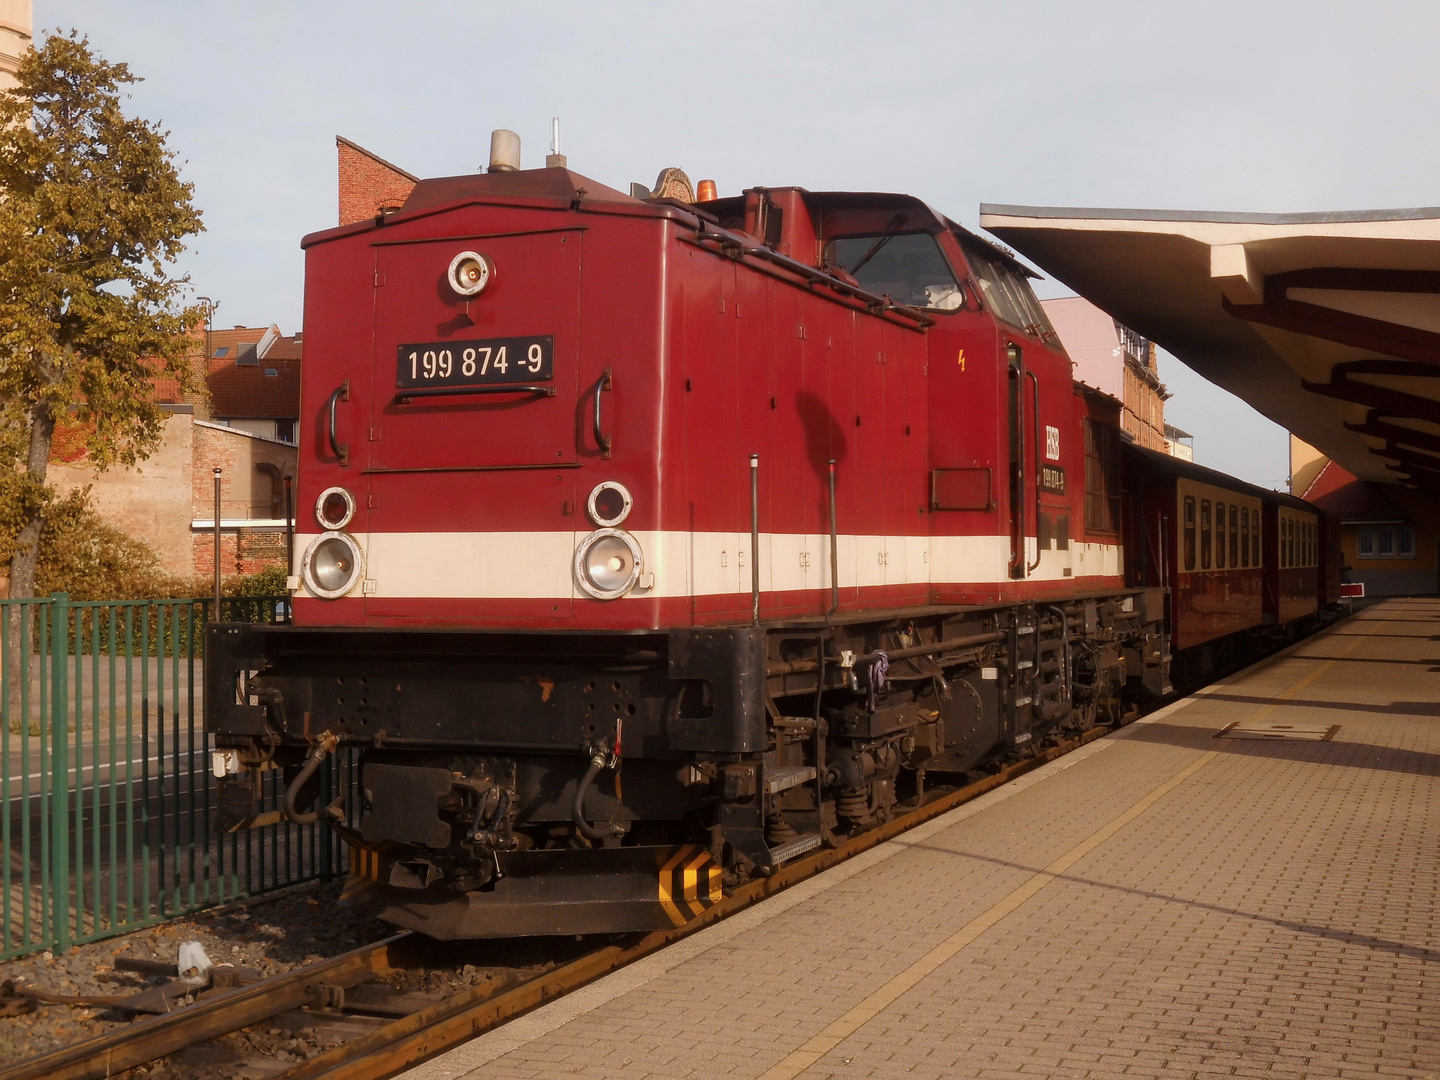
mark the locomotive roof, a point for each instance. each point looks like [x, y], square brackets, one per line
[565, 185]
[1169, 465]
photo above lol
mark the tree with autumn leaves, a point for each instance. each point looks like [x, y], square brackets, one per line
[93, 215]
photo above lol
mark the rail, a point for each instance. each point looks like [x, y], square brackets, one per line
[431, 1030]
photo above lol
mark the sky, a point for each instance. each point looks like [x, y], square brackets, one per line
[1274, 106]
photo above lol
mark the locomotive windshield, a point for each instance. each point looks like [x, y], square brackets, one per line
[1008, 293]
[908, 267]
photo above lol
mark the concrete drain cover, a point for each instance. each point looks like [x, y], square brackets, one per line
[1277, 731]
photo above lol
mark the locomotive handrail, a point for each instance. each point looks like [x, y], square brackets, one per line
[339, 449]
[603, 441]
[403, 397]
[813, 276]
[1035, 421]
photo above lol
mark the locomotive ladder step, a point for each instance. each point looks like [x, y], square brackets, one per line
[786, 852]
[787, 776]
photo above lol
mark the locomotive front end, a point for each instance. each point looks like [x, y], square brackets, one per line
[477, 630]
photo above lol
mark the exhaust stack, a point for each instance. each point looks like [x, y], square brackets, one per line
[504, 151]
[555, 159]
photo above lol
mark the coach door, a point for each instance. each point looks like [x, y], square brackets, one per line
[472, 449]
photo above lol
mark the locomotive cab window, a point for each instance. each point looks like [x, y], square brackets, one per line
[910, 268]
[1204, 534]
[1189, 532]
[1220, 536]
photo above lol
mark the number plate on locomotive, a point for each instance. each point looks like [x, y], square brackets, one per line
[476, 363]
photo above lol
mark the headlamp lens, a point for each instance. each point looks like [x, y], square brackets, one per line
[332, 564]
[609, 563]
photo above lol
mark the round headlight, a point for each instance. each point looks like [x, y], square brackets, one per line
[470, 272]
[609, 504]
[607, 563]
[334, 508]
[331, 565]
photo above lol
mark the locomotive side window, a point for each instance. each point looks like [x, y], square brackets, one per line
[1244, 537]
[910, 268]
[1204, 534]
[1102, 478]
[1234, 535]
[1219, 536]
[1254, 537]
[1189, 532]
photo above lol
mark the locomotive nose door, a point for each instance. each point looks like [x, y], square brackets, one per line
[472, 441]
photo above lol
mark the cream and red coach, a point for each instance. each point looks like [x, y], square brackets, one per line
[644, 545]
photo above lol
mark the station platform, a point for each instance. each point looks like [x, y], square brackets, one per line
[1163, 902]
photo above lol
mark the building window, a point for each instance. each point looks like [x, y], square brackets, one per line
[1254, 537]
[1189, 532]
[1102, 478]
[1204, 534]
[285, 431]
[1220, 536]
[1386, 542]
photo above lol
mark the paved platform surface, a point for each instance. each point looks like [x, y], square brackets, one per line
[1160, 903]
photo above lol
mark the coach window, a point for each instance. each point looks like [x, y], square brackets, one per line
[1204, 534]
[1189, 532]
[1254, 537]
[1244, 537]
[1102, 478]
[1314, 532]
[1220, 536]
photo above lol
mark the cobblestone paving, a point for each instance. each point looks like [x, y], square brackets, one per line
[1163, 903]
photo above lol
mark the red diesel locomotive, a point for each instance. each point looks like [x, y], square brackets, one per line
[647, 544]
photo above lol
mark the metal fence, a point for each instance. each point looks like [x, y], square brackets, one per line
[108, 822]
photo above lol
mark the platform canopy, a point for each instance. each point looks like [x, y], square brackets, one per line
[1329, 323]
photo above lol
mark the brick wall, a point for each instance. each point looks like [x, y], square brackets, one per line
[1144, 413]
[242, 551]
[246, 492]
[368, 183]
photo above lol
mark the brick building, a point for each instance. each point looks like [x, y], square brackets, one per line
[368, 184]
[1115, 360]
[1389, 534]
[253, 378]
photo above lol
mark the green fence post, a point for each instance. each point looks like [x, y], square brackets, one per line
[60, 837]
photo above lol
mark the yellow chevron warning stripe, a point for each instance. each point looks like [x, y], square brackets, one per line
[667, 885]
[692, 881]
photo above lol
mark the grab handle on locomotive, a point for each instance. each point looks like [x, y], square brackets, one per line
[1030, 567]
[339, 449]
[602, 440]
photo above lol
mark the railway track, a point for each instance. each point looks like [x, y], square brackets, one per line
[384, 1034]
